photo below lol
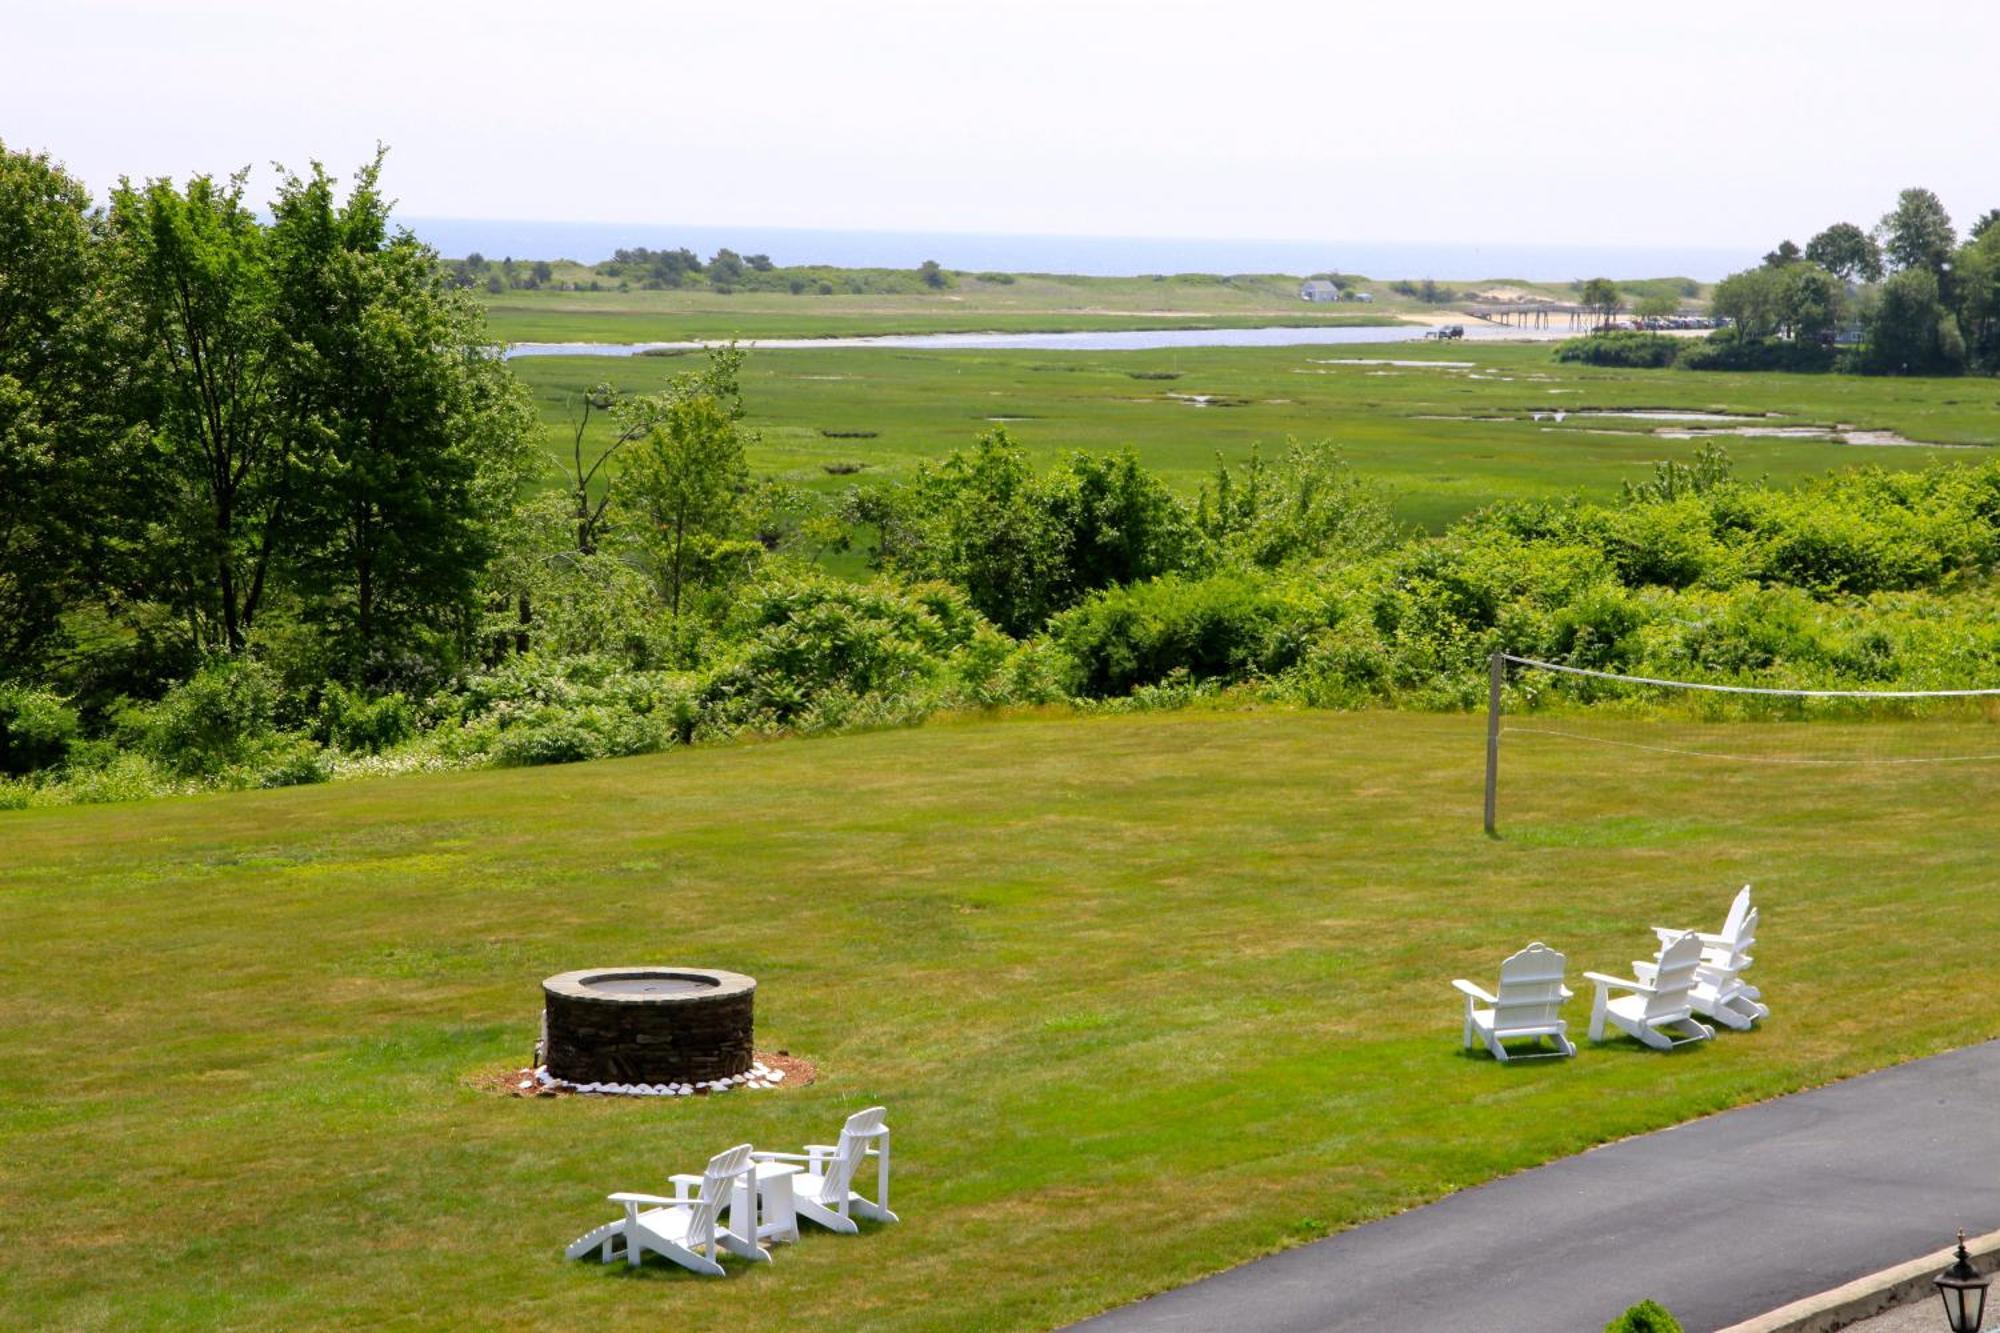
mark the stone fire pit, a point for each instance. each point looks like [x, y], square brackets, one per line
[647, 1025]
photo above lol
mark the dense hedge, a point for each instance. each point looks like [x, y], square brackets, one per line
[1721, 350]
[1638, 350]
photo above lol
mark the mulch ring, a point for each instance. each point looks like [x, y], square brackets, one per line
[512, 1082]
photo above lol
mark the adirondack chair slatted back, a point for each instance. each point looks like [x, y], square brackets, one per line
[860, 1131]
[1675, 977]
[717, 1180]
[1531, 990]
[1740, 914]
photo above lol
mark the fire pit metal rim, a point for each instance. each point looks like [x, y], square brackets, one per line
[718, 984]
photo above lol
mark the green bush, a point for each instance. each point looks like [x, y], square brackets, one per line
[1725, 350]
[1227, 627]
[1621, 348]
[36, 730]
[349, 720]
[217, 718]
[1645, 1317]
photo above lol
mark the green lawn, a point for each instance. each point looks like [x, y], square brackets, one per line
[1392, 420]
[1146, 996]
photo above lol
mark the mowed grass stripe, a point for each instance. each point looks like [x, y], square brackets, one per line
[1146, 996]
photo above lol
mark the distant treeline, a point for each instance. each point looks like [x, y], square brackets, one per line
[1908, 298]
[724, 271]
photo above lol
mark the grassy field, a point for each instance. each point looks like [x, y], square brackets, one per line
[1146, 997]
[1032, 302]
[1402, 424]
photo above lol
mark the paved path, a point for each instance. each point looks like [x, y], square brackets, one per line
[1719, 1220]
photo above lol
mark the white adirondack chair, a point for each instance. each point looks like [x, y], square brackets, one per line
[824, 1190]
[1529, 1005]
[1659, 1011]
[686, 1228]
[1720, 991]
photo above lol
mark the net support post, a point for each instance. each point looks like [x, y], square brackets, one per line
[1496, 676]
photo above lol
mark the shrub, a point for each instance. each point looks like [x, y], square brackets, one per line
[36, 729]
[1226, 627]
[1620, 348]
[1725, 350]
[1645, 1317]
[216, 718]
[293, 762]
[351, 721]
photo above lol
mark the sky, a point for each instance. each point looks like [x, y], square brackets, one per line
[1505, 121]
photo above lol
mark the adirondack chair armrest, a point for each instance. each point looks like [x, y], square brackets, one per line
[1668, 933]
[1566, 992]
[1473, 992]
[658, 1199]
[1617, 983]
[761, 1156]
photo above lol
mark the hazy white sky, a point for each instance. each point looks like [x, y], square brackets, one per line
[1605, 121]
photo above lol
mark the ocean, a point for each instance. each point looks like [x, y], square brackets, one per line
[593, 242]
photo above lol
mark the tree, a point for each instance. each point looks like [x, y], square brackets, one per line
[685, 484]
[1917, 233]
[1987, 221]
[413, 435]
[1601, 295]
[1784, 256]
[542, 272]
[1752, 301]
[1847, 252]
[932, 274]
[64, 424]
[1976, 275]
[1911, 333]
[1811, 302]
[726, 269]
[1024, 546]
[1660, 306]
[194, 275]
[476, 263]
[761, 263]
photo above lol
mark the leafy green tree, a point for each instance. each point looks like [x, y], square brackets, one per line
[1987, 221]
[65, 418]
[1917, 233]
[1811, 302]
[759, 263]
[1024, 546]
[1911, 333]
[1752, 301]
[1785, 255]
[194, 275]
[1976, 275]
[1659, 306]
[726, 269]
[1601, 295]
[1847, 252]
[416, 436]
[932, 274]
[684, 486]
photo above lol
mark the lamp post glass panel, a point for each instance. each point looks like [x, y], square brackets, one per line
[1963, 1291]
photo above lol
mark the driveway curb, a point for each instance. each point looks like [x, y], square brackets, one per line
[1872, 1295]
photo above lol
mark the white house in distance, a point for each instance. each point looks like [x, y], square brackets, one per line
[1319, 289]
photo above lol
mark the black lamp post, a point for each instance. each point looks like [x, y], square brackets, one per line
[1963, 1291]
